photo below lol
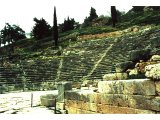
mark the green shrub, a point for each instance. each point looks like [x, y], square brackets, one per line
[3, 89]
[137, 55]
[156, 42]
[123, 66]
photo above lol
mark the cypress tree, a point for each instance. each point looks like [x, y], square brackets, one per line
[114, 15]
[55, 28]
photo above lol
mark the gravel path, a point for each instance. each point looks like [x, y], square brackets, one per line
[20, 103]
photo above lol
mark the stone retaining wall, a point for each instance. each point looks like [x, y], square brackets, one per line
[138, 96]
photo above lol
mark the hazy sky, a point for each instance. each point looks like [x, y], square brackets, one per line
[22, 12]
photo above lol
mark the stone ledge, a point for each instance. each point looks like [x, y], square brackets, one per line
[131, 87]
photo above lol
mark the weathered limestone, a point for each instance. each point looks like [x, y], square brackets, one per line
[153, 71]
[107, 109]
[86, 83]
[132, 87]
[155, 58]
[102, 108]
[157, 86]
[48, 100]
[132, 101]
[60, 105]
[115, 76]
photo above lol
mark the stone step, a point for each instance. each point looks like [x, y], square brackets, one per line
[131, 87]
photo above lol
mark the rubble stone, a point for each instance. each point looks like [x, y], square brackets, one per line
[153, 71]
[155, 58]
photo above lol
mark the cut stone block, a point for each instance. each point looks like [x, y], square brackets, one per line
[48, 100]
[157, 86]
[155, 104]
[131, 87]
[93, 107]
[107, 109]
[71, 110]
[71, 103]
[60, 105]
[94, 98]
[153, 71]
[155, 58]
[132, 101]
[115, 76]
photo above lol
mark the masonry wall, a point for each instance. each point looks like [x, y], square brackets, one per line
[140, 96]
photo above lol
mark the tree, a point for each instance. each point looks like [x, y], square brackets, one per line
[0, 40]
[88, 20]
[138, 8]
[114, 15]
[93, 14]
[68, 24]
[11, 34]
[55, 28]
[41, 29]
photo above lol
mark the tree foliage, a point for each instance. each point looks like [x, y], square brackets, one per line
[68, 24]
[11, 34]
[141, 8]
[138, 8]
[55, 28]
[114, 15]
[41, 29]
[93, 14]
[88, 20]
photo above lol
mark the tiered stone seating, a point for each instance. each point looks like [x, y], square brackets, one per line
[80, 59]
[35, 75]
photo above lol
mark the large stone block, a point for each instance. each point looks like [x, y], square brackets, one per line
[153, 71]
[157, 86]
[85, 106]
[132, 101]
[93, 107]
[115, 76]
[48, 100]
[60, 105]
[130, 87]
[108, 109]
[71, 110]
[155, 58]
[72, 95]
[155, 104]
[71, 103]
[94, 98]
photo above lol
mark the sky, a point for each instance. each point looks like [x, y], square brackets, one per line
[22, 12]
